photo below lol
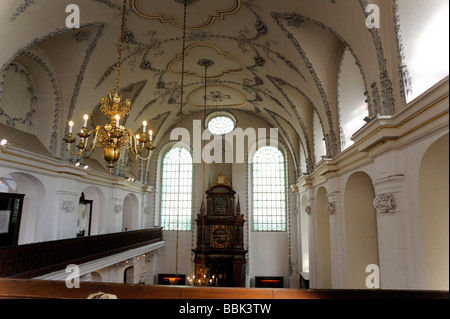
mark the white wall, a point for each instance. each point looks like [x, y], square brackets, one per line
[319, 142]
[352, 101]
[425, 33]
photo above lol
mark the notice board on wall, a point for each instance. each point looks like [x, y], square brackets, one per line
[10, 216]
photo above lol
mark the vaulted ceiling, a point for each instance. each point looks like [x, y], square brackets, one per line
[278, 60]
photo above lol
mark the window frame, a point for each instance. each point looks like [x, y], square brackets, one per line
[284, 216]
[216, 114]
[186, 219]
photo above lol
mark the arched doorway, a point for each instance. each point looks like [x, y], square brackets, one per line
[34, 220]
[98, 223]
[323, 241]
[361, 229]
[128, 275]
[96, 277]
[434, 211]
[130, 212]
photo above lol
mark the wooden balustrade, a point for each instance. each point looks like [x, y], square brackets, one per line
[32, 260]
[45, 289]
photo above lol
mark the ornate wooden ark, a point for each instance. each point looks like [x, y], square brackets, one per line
[220, 255]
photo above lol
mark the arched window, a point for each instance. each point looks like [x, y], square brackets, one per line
[176, 199]
[269, 190]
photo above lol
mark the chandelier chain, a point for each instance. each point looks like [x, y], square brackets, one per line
[122, 29]
[181, 125]
[204, 174]
[183, 63]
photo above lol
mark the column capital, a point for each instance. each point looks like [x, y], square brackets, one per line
[385, 203]
[331, 208]
[118, 208]
[308, 209]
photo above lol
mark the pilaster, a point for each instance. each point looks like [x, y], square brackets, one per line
[67, 200]
[147, 217]
[393, 242]
[117, 199]
[337, 238]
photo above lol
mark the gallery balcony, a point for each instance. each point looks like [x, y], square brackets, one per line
[38, 259]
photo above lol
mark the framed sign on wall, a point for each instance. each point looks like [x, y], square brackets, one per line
[10, 216]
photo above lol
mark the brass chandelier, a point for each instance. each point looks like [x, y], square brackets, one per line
[112, 137]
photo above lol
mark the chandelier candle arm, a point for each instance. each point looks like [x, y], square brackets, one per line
[112, 137]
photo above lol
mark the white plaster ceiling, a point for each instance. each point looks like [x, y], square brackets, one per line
[278, 60]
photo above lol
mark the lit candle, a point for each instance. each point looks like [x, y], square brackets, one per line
[86, 118]
[137, 139]
[70, 126]
[151, 135]
[117, 120]
[145, 126]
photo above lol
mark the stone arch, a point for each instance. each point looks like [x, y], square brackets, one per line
[434, 213]
[361, 228]
[96, 277]
[34, 218]
[130, 212]
[99, 218]
[128, 275]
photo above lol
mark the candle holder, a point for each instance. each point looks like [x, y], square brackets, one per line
[112, 137]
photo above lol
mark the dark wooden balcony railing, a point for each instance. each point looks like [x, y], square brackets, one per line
[32, 260]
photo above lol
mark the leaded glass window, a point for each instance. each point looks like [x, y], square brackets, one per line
[176, 200]
[221, 125]
[269, 190]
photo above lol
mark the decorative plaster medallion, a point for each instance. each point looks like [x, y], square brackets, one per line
[159, 10]
[216, 96]
[23, 85]
[68, 206]
[224, 63]
[385, 203]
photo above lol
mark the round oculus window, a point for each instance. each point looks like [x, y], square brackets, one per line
[220, 124]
